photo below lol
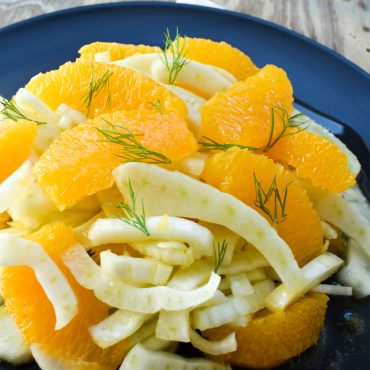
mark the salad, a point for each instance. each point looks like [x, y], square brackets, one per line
[152, 197]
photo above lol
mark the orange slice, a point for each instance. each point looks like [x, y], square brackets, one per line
[273, 338]
[117, 51]
[34, 314]
[219, 54]
[4, 217]
[80, 162]
[316, 158]
[124, 89]
[233, 172]
[16, 140]
[242, 114]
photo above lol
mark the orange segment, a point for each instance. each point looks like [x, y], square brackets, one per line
[80, 162]
[4, 217]
[242, 114]
[16, 140]
[273, 338]
[233, 172]
[220, 54]
[125, 89]
[34, 314]
[316, 158]
[117, 51]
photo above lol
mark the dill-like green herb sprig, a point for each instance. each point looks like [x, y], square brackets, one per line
[130, 215]
[157, 105]
[131, 149]
[219, 253]
[10, 111]
[173, 55]
[210, 144]
[288, 123]
[95, 86]
[278, 214]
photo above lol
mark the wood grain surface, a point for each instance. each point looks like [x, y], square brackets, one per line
[342, 25]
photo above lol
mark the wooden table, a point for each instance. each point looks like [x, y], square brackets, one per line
[342, 25]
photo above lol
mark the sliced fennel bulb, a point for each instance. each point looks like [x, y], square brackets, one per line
[232, 308]
[16, 184]
[356, 272]
[140, 358]
[174, 326]
[191, 277]
[135, 270]
[206, 78]
[118, 326]
[127, 297]
[15, 251]
[333, 289]
[315, 271]
[114, 230]
[220, 347]
[244, 261]
[13, 349]
[341, 213]
[176, 194]
[170, 253]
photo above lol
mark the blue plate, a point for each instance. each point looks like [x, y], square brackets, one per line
[327, 86]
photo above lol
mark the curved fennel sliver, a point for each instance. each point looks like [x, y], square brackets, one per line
[341, 213]
[220, 347]
[118, 294]
[315, 271]
[134, 269]
[118, 326]
[16, 184]
[114, 230]
[356, 270]
[176, 194]
[13, 348]
[204, 77]
[16, 251]
[140, 358]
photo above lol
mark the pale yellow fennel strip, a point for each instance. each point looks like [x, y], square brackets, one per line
[176, 194]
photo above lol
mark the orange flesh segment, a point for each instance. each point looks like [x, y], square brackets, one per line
[242, 114]
[4, 217]
[219, 54]
[315, 158]
[117, 51]
[232, 172]
[16, 140]
[126, 89]
[80, 162]
[34, 314]
[273, 338]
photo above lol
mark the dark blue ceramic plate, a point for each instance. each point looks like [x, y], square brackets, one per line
[337, 90]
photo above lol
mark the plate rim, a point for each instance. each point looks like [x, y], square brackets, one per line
[57, 16]
[92, 7]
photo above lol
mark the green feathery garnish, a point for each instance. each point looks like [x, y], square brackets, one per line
[157, 105]
[288, 122]
[173, 55]
[10, 111]
[278, 214]
[219, 253]
[95, 86]
[131, 149]
[210, 144]
[130, 215]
